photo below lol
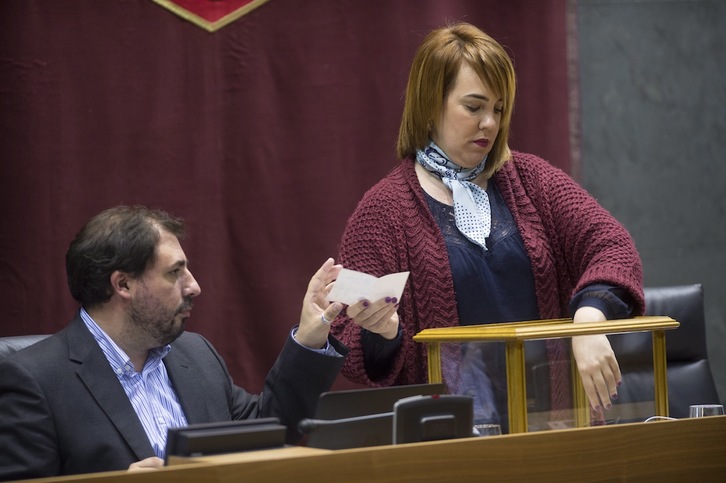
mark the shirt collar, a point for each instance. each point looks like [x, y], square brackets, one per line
[119, 360]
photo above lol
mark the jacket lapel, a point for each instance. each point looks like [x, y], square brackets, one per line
[188, 385]
[102, 383]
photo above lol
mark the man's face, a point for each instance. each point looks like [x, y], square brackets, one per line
[163, 295]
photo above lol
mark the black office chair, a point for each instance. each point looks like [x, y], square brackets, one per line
[12, 344]
[690, 380]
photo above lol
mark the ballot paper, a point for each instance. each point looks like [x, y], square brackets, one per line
[351, 287]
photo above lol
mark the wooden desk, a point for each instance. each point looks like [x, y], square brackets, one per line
[678, 450]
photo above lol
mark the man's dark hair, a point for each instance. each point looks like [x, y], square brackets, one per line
[123, 238]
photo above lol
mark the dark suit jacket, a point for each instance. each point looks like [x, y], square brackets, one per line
[63, 410]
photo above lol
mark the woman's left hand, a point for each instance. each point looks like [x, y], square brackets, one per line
[379, 317]
[596, 361]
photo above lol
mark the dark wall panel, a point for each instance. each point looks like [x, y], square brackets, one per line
[653, 121]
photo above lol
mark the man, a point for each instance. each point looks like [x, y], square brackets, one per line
[101, 394]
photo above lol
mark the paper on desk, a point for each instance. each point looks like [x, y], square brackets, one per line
[351, 287]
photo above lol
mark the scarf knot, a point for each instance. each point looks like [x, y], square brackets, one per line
[472, 212]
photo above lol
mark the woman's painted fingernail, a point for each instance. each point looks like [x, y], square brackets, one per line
[388, 300]
[394, 300]
[366, 303]
[608, 406]
[614, 396]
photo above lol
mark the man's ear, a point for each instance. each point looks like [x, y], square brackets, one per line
[121, 284]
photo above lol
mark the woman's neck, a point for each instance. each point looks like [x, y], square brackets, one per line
[434, 187]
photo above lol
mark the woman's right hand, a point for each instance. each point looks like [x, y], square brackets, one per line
[379, 317]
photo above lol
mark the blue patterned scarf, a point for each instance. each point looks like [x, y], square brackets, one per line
[471, 203]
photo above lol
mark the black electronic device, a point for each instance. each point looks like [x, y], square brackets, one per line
[358, 418]
[225, 437]
[432, 418]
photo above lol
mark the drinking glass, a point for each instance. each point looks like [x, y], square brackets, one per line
[702, 410]
[487, 430]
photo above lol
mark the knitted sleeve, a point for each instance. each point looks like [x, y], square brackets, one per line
[371, 243]
[392, 230]
[592, 247]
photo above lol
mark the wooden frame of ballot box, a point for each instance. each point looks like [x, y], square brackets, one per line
[514, 334]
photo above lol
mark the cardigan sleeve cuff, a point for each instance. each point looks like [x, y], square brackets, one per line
[612, 301]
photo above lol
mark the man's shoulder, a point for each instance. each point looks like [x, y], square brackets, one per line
[188, 337]
[33, 347]
[192, 343]
[46, 361]
[12, 344]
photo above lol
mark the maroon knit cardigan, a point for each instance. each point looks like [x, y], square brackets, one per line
[571, 241]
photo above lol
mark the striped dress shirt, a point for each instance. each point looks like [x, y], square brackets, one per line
[150, 391]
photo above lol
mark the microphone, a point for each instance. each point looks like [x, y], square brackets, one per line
[308, 425]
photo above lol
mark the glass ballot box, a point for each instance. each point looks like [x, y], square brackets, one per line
[523, 374]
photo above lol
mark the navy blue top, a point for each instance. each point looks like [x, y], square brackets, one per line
[497, 284]
[492, 285]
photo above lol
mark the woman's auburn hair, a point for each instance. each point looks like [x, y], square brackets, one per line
[433, 74]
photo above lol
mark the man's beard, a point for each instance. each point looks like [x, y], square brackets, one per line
[158, 322]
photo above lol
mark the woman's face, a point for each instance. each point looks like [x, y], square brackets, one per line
[469, 121]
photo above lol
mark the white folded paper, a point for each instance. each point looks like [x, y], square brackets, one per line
[351, 287]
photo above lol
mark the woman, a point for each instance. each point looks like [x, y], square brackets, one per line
[488, 234]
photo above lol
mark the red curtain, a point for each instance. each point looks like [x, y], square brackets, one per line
[262, 135]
